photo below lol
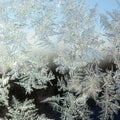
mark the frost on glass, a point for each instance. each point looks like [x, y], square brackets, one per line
[50, 61]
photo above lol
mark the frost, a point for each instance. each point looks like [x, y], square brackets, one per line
[52, 61]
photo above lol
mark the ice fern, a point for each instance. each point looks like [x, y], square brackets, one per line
[23, 111]
[51, 66]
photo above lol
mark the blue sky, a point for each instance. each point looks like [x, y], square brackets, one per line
[103, 5]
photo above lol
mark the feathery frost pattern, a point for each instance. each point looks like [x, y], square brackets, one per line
[51, 65]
